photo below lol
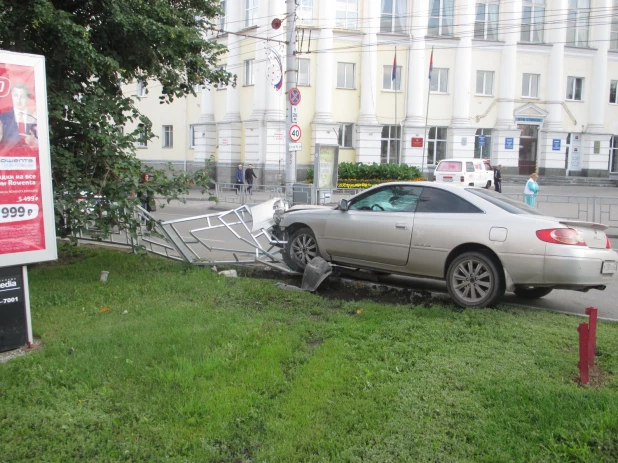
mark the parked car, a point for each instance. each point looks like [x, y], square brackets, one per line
[465, 171]
[480, 242]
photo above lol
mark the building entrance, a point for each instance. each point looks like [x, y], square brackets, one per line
[528, 142]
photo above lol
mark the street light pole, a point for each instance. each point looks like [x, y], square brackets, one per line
[290, 82]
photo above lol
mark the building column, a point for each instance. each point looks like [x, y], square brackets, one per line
[595, 143]
[229, 129]
[323, 127]
[368, 130]
[461, 134]
[503, 152]
[274, 119]
[205, 129]
[254, 130]
[416, 88]
[551, 160]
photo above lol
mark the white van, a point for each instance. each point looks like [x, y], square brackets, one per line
[465, 172]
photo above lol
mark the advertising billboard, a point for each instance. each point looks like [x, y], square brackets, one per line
[27, 230]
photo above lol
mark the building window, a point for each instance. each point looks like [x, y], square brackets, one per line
[393, 17]
[436, 145]
[387, 80]
[575, 87]
[613, 154]
[532, 21]
[440, 18]
[251, 8]
[249, 78]
[346, 14]
[578, 23]
[141, 89]
[303, 72]
[482, 144]
[142, 137]
[345, 75]
[486, 21]
[439, 81]
[612, 92]
[192, 136]
[304, 12]
[530, 86]
[485, 83]
[168, 136]
[613, 44]
[221, 18]
[390, 144]
[222, 67]
[345, 135]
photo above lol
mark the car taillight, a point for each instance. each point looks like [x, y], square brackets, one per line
[462, 179]
[608, 244]
[561, 236]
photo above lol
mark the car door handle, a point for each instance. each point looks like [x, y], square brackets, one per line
[401, 226]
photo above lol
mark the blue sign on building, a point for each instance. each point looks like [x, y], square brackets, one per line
[508, 143]
[555, 146]
[482, 139]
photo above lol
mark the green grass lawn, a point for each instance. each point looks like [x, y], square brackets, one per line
[191, 366]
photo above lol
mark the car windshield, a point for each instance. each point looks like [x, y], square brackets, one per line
[449, 166]
[503, 202]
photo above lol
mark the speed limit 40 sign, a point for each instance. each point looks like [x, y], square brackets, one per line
[295, 133]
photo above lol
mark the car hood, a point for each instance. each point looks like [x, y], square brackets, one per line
[304, 207]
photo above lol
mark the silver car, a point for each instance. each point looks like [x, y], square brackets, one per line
[479, 241]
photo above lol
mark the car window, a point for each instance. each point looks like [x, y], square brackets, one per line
[469, 167]
[396, 198]
[487, 166]
[449, 166]
[504, 202]
[436, 200]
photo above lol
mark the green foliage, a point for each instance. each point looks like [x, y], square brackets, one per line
[360, 171]
[187, 365]
[91, 50]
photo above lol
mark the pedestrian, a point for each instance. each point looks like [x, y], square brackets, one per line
[498, 178]
[249, 176]
[144, 195]
[239, 178]
[532, 188]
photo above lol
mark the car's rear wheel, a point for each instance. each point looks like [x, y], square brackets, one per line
[474, 279]
[532, 292]
[300, 249]
[488, 186]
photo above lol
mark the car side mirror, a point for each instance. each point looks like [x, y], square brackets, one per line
[343, 204]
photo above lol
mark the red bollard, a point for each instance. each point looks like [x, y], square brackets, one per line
[583, 353]
[592, 337]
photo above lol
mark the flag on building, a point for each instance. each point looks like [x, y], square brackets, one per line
[394, 73]
[431, 64]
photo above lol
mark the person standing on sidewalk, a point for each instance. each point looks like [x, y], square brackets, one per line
[498, 178]
[239, 178]
[531, 189]
[249, 176]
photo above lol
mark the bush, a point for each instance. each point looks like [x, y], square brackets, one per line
[382, 172]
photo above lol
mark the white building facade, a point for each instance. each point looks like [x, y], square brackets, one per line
[528, 84]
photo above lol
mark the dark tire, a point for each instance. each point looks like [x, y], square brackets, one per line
[300, 249]
[532, 292]
[475, 280]
[488, 186]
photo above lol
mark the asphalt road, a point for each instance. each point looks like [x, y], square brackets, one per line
[571, 302]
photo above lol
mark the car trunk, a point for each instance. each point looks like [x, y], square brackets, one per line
[593, 233]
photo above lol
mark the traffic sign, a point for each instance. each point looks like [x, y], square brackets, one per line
[294, 96]
[295, 133]
[296, 146]
[294, 114]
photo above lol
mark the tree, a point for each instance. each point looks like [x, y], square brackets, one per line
[92, 48]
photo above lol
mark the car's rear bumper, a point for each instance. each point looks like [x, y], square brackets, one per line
[577, 267]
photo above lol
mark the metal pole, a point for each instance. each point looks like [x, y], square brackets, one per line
[290, 82]
[426, 116]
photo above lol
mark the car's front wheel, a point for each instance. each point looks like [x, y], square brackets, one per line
[532, 292]
[300, 248]
[475, 280]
